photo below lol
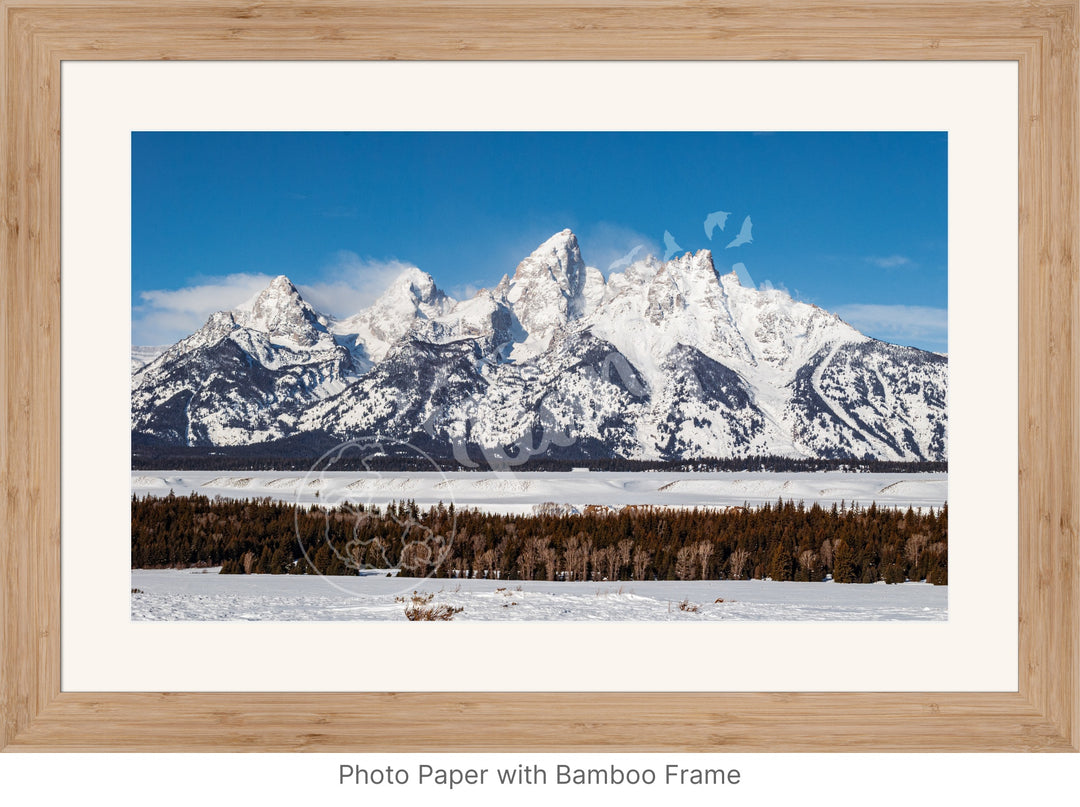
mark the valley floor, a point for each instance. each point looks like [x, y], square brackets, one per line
[202, 594]
[522, 492]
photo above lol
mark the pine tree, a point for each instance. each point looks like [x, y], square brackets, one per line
[843, 563]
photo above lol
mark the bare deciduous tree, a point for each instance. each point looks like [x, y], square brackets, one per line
[549, 557]
[605, 563]
[703, 551]
[827, 554]
[485, 562]
[416, 558]
[641, 559]
[737, 562]
[808, 560]
[586, 555]
[528, 559]
[574, 554]
[914, 547]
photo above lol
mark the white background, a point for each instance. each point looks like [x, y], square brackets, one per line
[918, 96]
[104, 102]
[299, 780]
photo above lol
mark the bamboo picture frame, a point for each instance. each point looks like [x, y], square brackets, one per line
[1041, 37]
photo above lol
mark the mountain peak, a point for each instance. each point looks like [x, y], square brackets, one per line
[694, 266]
[418, 283]
[280, 292]
[412, 290]
[546, 289]
[563, 236]
[282, 283]
[280, 311]
[280, 288]
[411, 297]
[560, 255]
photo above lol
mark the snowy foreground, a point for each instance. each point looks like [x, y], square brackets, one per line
[521, 492]
[197, 594]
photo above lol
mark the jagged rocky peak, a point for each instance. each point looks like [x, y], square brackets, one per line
[546, 289]
[689, 270]
[412, 294]
[283, 284]
[218, 325]
[280, 311]
[693, 270]
[411, 298]
[560, 256]
[279, 294]
[687, 281]
[635, 276]
[416, 285]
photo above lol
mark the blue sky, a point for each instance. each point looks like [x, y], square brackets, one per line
[855, 222]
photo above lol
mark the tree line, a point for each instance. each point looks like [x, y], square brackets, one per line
[257, 458]
[780, 541]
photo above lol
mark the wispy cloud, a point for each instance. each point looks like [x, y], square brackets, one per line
[345, 286]
[612, 247]
[917, 325]
[464, 291]
[889, 261]
[166, 315]
[350, 283]
[768, 285]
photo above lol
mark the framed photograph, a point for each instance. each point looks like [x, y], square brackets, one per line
[513, 440]
[161, 116]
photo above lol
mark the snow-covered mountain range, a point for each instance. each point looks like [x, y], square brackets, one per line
[659, 361]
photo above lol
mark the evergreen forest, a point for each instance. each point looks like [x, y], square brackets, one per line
[784, 540]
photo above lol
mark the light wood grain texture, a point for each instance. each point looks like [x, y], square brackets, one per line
[38, 34]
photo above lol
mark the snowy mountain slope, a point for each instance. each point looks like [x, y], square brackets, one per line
[413, 297]
[870, 398]
[242, 376]
[705, 408]
[141, 355]
[409, 392]
[582, 399]
[661, 360]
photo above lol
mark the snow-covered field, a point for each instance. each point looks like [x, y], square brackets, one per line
[520, 492]
[197, 594]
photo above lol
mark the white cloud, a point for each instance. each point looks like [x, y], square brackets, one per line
[626, 260]
[465, 291]
[346, 285]
[350, 283]
[612, 247]
[889, 262]
[918, 325]
[167, 315]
